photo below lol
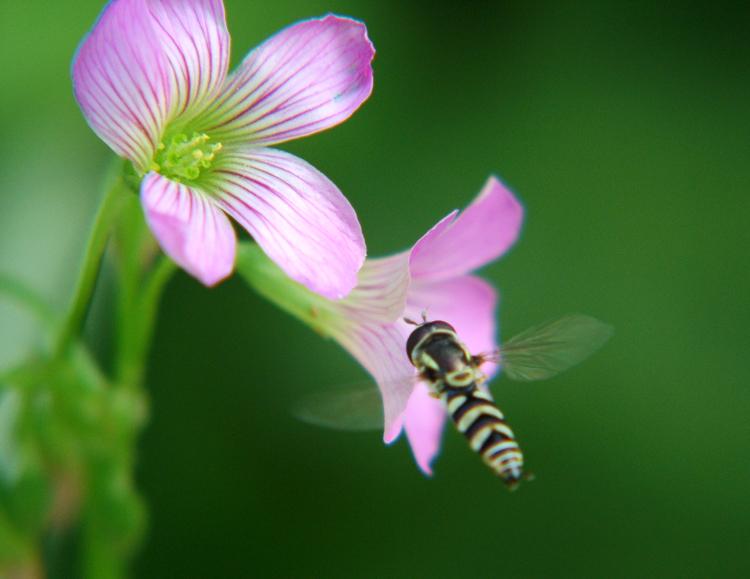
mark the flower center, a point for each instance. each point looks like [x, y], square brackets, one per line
[183, 158]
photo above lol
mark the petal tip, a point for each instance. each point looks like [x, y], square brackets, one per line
[495, 187]
[190, 229]
[213, 277]
[357, 24]
[309, 77]
[484, 231]
[341, 290]
[357, 31]
[340, 280]
[296, 215]
[425, 468]
[391, 434]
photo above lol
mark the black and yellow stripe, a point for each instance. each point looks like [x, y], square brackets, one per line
[478, 418]
[453, 374]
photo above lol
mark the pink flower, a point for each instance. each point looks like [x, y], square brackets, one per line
[434, 275]
[152, 81]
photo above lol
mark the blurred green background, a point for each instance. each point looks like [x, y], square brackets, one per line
[624, 129]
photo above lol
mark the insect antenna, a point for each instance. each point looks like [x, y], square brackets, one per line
[413, 323]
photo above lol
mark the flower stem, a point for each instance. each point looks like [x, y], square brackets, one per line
[135, 341]
[105, 217]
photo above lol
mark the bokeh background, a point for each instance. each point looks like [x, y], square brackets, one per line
[623, 127]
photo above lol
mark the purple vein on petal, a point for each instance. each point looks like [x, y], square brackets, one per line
[115, 97]
[272, 92]
[253, 171]
[118, 77]
[189, 228]
[281, 228]
[192, 33]
[292, 76]
[279, 172]
[291, 52]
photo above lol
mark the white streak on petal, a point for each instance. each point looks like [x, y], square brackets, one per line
[121, 81]
[295, 214]
[380, 294]
[307, 78]
[195, 40]
[189, 228]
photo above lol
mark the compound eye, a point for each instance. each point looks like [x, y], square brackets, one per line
[424, 330]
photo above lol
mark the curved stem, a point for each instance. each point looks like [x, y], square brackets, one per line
[95, 247]
[135, 342]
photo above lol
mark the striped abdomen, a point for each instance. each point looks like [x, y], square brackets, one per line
[478, 418]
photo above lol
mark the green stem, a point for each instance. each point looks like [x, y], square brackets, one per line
[136, 341]
[95, 247]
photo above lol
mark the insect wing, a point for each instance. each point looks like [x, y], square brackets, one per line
[546, 350]
[345, 409]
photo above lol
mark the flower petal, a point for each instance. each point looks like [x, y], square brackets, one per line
[424, 420]
[381, 291]
[189, 228]
[306, 78]
[195, 40]
[299, 218]
[481, 233]
[380, 349]
[121, 80]
[468, 303]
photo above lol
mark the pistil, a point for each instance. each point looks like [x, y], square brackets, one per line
[183, 158]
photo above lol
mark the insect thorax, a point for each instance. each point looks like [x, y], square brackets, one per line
[441, 358]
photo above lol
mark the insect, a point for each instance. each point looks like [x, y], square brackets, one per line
[453, 374]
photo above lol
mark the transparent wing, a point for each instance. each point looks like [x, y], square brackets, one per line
[536, 354]
[551, 348]
[343, 409]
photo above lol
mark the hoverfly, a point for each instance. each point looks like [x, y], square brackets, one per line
[453, 375]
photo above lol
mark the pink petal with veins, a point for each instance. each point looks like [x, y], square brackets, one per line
[309, 77]
[121, 79]
[190, 228]
[295, 214]
[145, 62]
[484, 231]
[194, 37]
[380, 349]
[380, 294]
